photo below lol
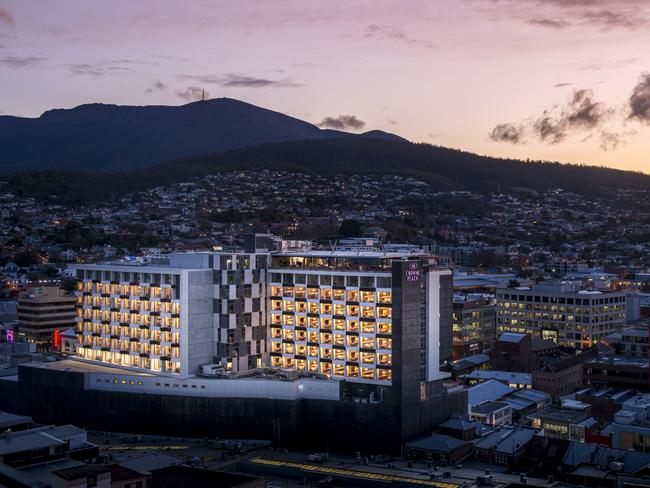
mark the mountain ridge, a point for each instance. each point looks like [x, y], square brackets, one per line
[109, 137]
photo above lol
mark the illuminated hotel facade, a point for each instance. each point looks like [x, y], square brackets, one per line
[363, 317]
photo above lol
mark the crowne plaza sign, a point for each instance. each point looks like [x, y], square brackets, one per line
[413, 272]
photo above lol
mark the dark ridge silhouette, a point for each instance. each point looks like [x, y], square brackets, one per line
[100, 137]
[444, 168]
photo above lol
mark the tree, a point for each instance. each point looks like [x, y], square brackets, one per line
[351, 228]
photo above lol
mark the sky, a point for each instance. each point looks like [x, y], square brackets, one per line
[558, 80]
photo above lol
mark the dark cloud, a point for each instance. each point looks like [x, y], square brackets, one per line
[511, 133]
[20, 61]
[342, 122]
[101, 69]
[395, 33]
[156, 86]
[562, 85]
[555, 24]
[561, 14]
[6, 18]
[242, 81]
[609, 141]
[193, 93]
[582, 114]
[639, 101]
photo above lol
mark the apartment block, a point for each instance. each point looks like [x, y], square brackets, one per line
[473, 325]
[561, 312]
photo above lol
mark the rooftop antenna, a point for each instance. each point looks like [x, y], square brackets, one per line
[203, 96]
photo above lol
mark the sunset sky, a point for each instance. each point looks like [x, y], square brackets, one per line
[565, 80]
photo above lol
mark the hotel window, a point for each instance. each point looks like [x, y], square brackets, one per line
[326, 323]
[384, 374]
[352, 341]
[325, 352]
[326, 338]
[368, 342]
[338, 370]
[276, 346]
[276, 305]
[301, 321]
[368, 327]
[339, 354]
[287, 348]
[326, 368]
[384, 359]
[368, 312]
[325, 293]
[367, 358]
[313, 322]
[301, 350]
[301, 335]
[368, 296]
[288, 362]
[339, 324]
[300, 292]
[288, 305]
[313, 366]
[352, 295]
[313, 307]
[276, 361]
[339, 309]
[384, 312]
[313, 337]
[301, 364]
[368, 373]
[383, 343]
[384, 297]
[383, 328]
[301, 307]
[312, 293]
[338, 295]
[288, 334]
[326, 308]
[288, 320]
[352, 371]
[353, 326]
[353, 310]
[312, 351]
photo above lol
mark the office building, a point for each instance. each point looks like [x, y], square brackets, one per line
[43, 314]
[474, 326]
[561, 312]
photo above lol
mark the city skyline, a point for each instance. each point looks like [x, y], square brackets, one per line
[560, 80]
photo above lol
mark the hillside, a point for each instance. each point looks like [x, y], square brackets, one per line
[442, 167]
[99, 137]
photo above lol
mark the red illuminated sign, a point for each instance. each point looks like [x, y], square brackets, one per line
[56, 338]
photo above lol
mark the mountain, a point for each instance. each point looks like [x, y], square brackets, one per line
[99, 137]
[444, 168]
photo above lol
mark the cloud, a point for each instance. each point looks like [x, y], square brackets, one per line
[561, 14]
[342, 122]
[508, 133]
[562, 85]
[581, 114]
[156, 86]
[20, 61]
[554, 24]
[395, 33]
[6, 18]
[609, 141]
[192, 93]
[98, 70]
[242, 81]
[639, 101]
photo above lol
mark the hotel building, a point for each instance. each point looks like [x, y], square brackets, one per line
[351, 339]
[561, 312]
